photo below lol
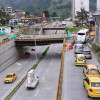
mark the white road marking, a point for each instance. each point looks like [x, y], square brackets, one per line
[43, 78]
[18, 63]
[37, 92]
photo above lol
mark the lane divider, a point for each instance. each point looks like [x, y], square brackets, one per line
[59, 90]
[24, 78]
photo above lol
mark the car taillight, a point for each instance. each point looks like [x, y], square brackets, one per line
[87, 73]
[75, 60]
[99, 73]
[91, 90]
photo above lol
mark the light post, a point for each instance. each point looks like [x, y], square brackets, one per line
[35, 42]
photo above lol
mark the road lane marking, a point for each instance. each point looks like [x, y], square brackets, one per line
[18, 63]
[37, 92]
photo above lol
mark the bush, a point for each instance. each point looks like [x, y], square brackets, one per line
[99, 54]
[95, 48]
[74, 29]
[91, 40]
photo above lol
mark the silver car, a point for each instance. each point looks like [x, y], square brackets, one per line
[87, 54]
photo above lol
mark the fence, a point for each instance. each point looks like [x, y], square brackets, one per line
[60, 75]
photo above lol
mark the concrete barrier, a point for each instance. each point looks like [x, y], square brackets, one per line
[9, 54]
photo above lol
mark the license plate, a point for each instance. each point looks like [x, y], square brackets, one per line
[7, 81]
[98, 92]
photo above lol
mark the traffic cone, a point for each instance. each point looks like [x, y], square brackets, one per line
[67, 48]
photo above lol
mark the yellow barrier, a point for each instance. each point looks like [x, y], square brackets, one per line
[4, 41]
[61, 74]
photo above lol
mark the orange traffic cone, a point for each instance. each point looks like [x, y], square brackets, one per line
[67, 48]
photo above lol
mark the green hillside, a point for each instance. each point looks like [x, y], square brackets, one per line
[61, 7]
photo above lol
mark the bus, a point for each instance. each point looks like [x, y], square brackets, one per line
[82, 35]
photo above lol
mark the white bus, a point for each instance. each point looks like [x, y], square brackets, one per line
[82, 35]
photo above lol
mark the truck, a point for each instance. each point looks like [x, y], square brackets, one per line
[32, 80]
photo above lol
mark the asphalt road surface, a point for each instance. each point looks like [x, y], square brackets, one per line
[20, 68]
[48, 72]
[72, 88]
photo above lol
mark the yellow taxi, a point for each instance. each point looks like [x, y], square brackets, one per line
[92, 86]
[80, 59]
[11, 77]
[92, 33]
[91, 69]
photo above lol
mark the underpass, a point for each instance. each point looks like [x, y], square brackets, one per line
[48, 72]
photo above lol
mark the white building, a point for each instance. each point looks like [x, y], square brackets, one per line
[77, 5]
[98, 5]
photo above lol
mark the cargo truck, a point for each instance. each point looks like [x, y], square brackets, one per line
[32, 80]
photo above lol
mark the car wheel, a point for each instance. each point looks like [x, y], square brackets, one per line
[83, 71]
[83, 84]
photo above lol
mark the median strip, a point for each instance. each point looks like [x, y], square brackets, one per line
[24, 78]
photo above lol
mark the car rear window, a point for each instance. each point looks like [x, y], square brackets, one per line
[93, 70]
[86, 52]
[80, 58]
[78, 47]
[81, 33]
[95, 84]
[9, 76]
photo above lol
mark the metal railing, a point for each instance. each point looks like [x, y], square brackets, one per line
[60, 75]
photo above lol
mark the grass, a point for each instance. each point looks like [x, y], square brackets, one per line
[74, 29]
[95, 48]
[91, 40]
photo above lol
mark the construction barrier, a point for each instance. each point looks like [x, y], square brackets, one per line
[59, 90]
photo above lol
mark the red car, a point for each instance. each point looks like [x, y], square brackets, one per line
[26, 55]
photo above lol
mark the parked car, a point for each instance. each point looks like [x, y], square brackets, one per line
[80, 59]
[11, 77]
[87, 53]
[92, 33]
[32, 80]
[91, 69]
[92, 86]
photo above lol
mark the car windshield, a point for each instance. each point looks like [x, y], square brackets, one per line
[78, 47]
[9, 76]
[93, 70]
[95, 84]
[80, 58]
[81, 34]
[86, 52]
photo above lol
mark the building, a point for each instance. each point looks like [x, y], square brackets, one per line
[97, 27]
[7, 10]
[20, 12]
[77, 5]
[98, 5]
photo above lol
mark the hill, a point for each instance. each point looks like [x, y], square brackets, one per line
[62, 7]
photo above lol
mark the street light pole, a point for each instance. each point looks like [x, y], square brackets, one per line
[35, 43]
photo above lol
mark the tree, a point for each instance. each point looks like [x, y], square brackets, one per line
[46, 13]
[82, 16]
[54, 14]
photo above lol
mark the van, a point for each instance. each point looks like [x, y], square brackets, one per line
[82, 35]
[32, 80]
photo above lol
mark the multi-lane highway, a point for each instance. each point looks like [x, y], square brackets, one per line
[20, 68]
[48, 72]
[72, 88]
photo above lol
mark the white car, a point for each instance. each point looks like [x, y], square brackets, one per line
[32, 80]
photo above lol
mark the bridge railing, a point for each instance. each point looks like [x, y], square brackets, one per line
[59, 90]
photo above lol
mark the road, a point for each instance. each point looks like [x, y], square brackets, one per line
[20, 68]
[72, 88]
[48, 72]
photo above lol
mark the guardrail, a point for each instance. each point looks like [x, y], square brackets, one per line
[61, 74]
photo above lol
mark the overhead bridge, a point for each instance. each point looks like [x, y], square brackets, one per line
[38, 40]
[53, 28]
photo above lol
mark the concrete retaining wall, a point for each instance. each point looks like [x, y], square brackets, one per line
[9, 54]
